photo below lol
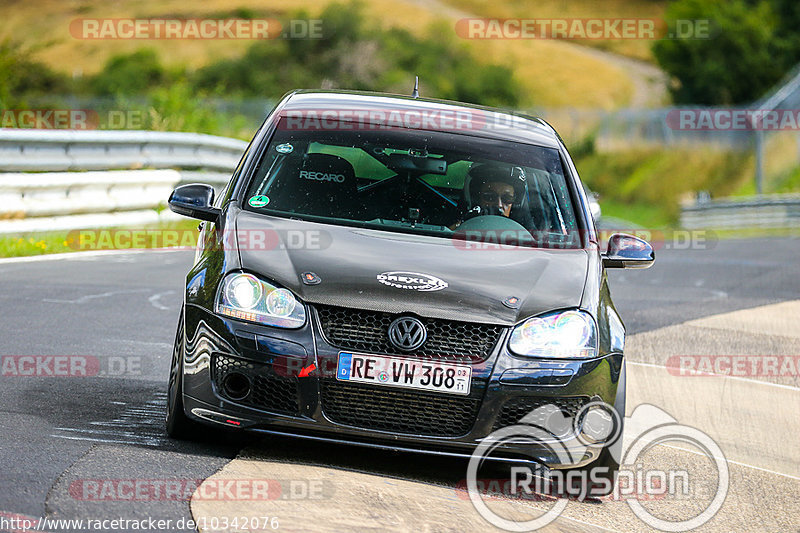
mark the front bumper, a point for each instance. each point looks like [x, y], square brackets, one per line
[278, 401]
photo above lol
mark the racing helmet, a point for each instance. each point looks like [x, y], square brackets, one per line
[480, 173]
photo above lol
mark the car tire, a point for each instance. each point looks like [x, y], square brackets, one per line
[178, 425]
[608, 457]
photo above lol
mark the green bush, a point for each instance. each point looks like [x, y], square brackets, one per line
[129, 74]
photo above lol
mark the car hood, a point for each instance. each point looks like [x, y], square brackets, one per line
[349, 262]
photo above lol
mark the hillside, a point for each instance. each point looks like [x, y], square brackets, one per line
[554, 73]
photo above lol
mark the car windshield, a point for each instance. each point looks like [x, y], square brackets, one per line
[418, 182]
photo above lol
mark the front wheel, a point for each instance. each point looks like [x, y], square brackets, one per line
[178, 425]
[602, 473]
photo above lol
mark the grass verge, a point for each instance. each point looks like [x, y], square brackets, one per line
[164, 235]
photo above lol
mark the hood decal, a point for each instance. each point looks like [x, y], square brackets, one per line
[412, 281]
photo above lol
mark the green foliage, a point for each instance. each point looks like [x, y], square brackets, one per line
[446, 69]
[130, 74]
[786, 39]
[56, 242]
[354, 53]
[584, 147]
[752, 44]
[644, 215]
[179, 107]
[662, 177]
[244, 13]
[788, 181]
[22, 77]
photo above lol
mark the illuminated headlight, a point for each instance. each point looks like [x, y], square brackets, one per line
[564, 334]
[243, 291]
[246, 297]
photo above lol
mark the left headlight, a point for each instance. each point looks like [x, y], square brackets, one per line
[246, 297]
[565, 334]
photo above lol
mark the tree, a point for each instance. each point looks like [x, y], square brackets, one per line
[735, 65]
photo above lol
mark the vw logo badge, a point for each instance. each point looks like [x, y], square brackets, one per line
[407, 333]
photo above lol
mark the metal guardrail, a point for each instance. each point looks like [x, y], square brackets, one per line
[56, 150]
[41, 193]
[765, 211]
[56, 193]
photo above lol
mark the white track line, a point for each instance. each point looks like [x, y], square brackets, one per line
[74, 255]
[767, 470]
[155, 300]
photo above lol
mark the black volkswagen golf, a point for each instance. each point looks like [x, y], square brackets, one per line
[402, 273]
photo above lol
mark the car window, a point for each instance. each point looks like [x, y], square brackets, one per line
[419, 182]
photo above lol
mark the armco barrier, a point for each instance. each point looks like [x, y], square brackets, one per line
[68, 179]
[54, 150]
[765, 211]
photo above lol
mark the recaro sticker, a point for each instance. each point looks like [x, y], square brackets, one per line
[321, 176]
[285, 148]
[414, 281]
[258, 201]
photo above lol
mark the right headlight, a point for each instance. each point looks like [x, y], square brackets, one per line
[564, 334]
[246, 297]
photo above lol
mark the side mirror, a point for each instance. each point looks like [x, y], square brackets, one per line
[627, 251]
[195, 201]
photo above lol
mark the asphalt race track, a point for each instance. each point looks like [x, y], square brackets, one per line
[118, 311]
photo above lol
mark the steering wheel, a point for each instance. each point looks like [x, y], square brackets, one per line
[491, 223]
[494, 230]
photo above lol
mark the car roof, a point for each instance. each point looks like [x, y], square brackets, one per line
[471, 119]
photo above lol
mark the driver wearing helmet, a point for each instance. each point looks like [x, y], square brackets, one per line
[497, 189]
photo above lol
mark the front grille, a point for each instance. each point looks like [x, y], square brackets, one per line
[366, 331]
[398, 411]
[516, 408]
[269, 391]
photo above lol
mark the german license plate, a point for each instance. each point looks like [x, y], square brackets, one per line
[406, 373]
